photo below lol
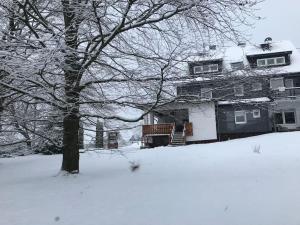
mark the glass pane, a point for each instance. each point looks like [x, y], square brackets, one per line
[289, 83]
[256, 86]
[261, 62]
[280, 60]
[240, 119]
[278, 118]
[205, 68]
[214, 67]
[197, 69]
[256, 113]
[270, 61]
[276, 83]
[289, 117]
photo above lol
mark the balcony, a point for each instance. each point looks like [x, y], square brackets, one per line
[286, 92]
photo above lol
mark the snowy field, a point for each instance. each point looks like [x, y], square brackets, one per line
[253, 181]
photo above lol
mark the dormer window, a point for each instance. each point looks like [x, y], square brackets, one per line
[276, 61]
[206, 68]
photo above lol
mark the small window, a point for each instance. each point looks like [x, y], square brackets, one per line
[280, 60]
[198, 69]
[278, 118]
[214, 67]
[237, 66]
[261, 62]
[276, 83]
[256, 113]
[239, 90]
[289, 83]
[206, 93]
[257, 86]
[240, 117]
[289, 117]
[206, 68]
[271, 61]
[285, 117]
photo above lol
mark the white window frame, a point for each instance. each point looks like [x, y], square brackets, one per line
[265, 61]
[205, 91]
[283, 117]
[244, 114]
[209, 66]
[254, 111]
[276, 78]
[257, 89]
[239, 86]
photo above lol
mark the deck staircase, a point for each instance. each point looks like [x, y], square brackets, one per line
[178, 139]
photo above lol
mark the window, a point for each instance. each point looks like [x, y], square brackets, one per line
[206, 68]
[237, 66]
[256, 113]
[240, 117]
[239, 90]
[271, 61]
[285, 117]
[257, 86]
[206, 93]
[289, 117]
[261, 62]
[198, 69]
[289, 83]
[276, 83]
[278, 118]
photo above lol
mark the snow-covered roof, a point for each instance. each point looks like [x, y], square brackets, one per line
[275, 47]
[245, 101]
[239, 54]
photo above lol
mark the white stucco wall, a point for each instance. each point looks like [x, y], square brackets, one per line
[204, 122]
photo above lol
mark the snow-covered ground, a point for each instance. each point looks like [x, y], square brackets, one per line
[253, 181]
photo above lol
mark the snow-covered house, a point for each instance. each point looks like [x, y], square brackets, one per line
[236, 92]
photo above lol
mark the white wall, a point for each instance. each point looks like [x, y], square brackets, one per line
[203, 118]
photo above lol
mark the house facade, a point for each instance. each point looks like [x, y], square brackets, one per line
[233, 92]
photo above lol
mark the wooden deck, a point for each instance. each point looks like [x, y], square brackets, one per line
[158, 129]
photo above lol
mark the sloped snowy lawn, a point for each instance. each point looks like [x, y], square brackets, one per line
[213, 184]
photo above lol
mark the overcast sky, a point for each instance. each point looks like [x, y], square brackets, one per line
[281, 21]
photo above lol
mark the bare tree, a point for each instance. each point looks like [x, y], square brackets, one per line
[89, 59]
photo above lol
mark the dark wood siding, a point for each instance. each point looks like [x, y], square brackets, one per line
[226, 119]
[223, 89]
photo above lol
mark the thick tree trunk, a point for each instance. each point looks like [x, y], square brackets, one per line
[70, 143]
[70, 131]
[72, 73]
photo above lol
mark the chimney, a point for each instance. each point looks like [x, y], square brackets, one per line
[213, 47]
[242, 44]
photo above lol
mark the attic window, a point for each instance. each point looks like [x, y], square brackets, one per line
[271, 61]
[237, 65]
[206, 68]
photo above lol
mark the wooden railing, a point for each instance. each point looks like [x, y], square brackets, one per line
[188, 129]
[156, 129]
